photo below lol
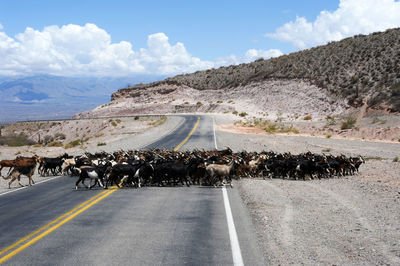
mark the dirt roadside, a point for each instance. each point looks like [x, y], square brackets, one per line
[348, 221]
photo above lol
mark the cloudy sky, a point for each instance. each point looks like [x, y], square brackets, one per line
[122, 38]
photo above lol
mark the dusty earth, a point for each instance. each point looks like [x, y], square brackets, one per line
[287, 103]
[353, 220]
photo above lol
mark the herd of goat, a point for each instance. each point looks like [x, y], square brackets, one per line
[171, 168]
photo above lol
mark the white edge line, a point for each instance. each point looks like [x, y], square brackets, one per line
[36, 183]
[215, 136]
[236, 252]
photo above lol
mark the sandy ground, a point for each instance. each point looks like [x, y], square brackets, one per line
[348, 221]
[134, 135]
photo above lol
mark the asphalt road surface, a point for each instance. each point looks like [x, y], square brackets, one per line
[53, 224]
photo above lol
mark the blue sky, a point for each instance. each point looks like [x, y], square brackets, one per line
[209, 29]
[210, 33]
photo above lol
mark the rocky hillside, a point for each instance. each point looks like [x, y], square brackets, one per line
[357, 71]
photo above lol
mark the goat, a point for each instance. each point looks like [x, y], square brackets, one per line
[220, 171]
[21, 170]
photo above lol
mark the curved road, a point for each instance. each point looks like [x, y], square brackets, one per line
[52, 224]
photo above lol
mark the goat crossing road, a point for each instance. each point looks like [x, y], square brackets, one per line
[52, 223]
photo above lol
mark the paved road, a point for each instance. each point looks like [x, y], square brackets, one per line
[147, 226]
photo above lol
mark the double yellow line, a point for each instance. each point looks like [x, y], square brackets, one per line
[35, 236]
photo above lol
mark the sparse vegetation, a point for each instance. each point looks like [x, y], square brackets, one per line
[348, 123]
[243, 114]
[378, 158]
[219, 101]
[235, 112]
[328, 135]
[55, 144]
[118, 120]
[330, 67]
[16, 140]
[159, 121]
[101, 144]
[307, 117]
[114, 124]
[136, 118]
[396, 159]
[73, 143]
[199, 104]
[186, 102]
[326, 150]
[59, 136]
[268, 127]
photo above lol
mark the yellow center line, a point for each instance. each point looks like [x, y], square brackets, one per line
[190, 134]
[48, 225]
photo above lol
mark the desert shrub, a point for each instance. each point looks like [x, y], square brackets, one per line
[368, 158]
[136, 118]
[118, 120]
[326, 150]
[47, 139]
[55, 144]
[73, 143]
[396, 159]
[199, 103]
[328, 136]
[230, 101]
[243, 114]
[114, 124]
[235, 112]
[307, 117]
[59, 136]
[99, 135]
[101, 144]
[348, 123]
[219, 101]
[186, 102]
[158, 122]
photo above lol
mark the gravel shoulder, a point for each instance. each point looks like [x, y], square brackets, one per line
[348, 221]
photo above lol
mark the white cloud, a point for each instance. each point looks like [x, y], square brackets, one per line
[87, 50]
[249, 56]
[351, 18]
[74, 50]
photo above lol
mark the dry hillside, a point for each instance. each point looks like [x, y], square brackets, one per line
[357, 70]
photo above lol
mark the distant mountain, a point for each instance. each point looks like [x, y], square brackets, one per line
[364, 69]
[49, 97]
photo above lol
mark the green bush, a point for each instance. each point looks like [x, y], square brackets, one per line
[235, 112]
[59, 136]
[55, 144]
[73, 143]
[348, 123]
[243, 114]
[136, 118]
[307, 117]
[101, 144]
[396, 159]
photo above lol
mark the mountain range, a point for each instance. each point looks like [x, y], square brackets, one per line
[53, 97]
